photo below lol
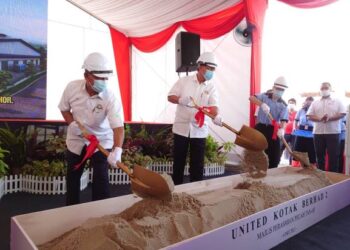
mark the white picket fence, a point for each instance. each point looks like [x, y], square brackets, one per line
[211, 169]
[2, 187]
[38, 184]
[57, 184]
[116, 176]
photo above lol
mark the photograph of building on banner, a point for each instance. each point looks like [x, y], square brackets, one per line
[23, 59]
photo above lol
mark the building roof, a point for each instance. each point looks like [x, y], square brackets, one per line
[15, 47]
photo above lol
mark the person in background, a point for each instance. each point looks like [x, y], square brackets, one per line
[342, 144]
[289, 137]
[326, 114]
[274, 104]
[90, 102]
[303, 133]
[188, 134]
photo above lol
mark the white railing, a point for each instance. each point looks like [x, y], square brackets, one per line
[2, 187]
[38, 184]
[214, 169]
[117, 176]
[57, 184]
[211, 169]
[163, 167]
[13, 183]
[84, 180]
[43, 185]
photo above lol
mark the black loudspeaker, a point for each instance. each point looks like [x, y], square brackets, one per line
[187, 49]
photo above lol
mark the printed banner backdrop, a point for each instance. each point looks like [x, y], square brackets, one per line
[23, 57]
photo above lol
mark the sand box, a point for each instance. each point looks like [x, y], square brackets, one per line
[152, 224]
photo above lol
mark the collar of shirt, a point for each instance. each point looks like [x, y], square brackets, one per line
[326, 98]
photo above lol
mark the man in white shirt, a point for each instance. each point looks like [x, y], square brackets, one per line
[326, 114]
[187, 132]
[89, 101]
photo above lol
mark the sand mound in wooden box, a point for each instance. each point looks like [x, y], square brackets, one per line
[152, 224]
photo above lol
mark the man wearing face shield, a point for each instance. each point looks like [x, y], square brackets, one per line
[327, 114]
[188, 134]
[272, 103]
[90, 102]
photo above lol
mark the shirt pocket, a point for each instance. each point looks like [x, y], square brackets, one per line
[204, 98]
[95, 115]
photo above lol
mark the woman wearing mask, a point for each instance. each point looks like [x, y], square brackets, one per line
[274, 104]
[303, 134]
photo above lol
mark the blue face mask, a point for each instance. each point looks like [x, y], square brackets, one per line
[99, 86]
[208, 75]
[278, 93]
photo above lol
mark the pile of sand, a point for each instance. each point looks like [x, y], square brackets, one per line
[255, 163]
[152, 224]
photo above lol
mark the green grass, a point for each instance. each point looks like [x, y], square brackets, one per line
[22, 85]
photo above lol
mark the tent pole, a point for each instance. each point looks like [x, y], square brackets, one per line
[79, 7]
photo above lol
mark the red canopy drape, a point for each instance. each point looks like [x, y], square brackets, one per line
[255, 13]
[308, 3]
[209, 27]
[122, 50]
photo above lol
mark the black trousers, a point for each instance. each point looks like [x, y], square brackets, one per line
[197, 149]
[304, 144]
[329, 143]
[273, 150]
[100, 182]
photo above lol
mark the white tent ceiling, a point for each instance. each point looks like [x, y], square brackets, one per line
[137, 18]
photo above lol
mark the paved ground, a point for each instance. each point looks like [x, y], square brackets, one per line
[29, 103]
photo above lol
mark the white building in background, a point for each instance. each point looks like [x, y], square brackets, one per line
[15, 53]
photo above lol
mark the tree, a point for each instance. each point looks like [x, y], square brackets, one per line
[30, 69]
[43, 58]
[5, 78]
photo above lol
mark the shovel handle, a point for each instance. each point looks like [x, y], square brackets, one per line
[286, 145]
[270, 117]
[103, 150]
[230, 128]
[212, 117]
[282, 138]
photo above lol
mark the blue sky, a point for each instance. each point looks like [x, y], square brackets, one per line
[25, 19]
